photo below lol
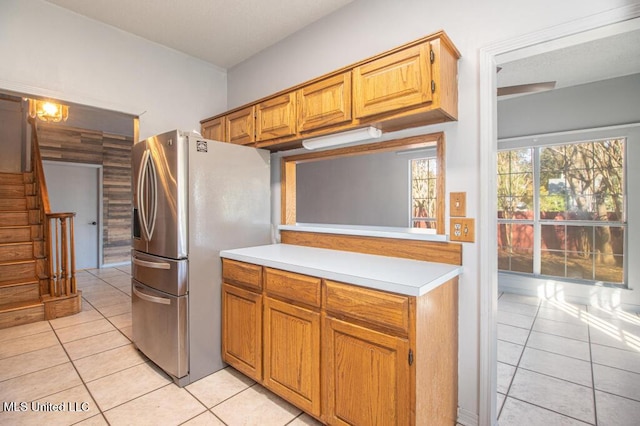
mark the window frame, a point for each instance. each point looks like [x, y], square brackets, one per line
[412, 219]
[536, 144]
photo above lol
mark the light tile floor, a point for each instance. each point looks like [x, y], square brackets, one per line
[566, 364]
[83, 369]
[558, 363]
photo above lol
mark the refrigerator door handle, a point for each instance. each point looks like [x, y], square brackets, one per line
[142, 194]
[154, 265]
[149, 298]
[153, 181]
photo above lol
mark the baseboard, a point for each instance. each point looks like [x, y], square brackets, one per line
[467, 418]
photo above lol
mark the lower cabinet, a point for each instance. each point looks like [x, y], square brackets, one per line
[347, 355]
[292, 353]
[242, 330]
[367, 376]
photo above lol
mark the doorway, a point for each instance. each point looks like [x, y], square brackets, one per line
[76, 187]
[620, 20]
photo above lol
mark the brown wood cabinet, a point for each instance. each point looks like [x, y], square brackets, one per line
[276, 117]
[412, 85]
[214, 129]
[367, 376]
[325, 103]
[242, 330]
[394, 82]
[292, 353]
[240, 126]
[385, 358]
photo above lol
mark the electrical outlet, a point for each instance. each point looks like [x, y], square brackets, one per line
[462, 229]
[458, 204]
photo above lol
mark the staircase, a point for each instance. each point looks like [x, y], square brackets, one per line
[22, 255]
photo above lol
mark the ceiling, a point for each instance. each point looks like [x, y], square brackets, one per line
[226, 32]
[222, 32]
[600, 59]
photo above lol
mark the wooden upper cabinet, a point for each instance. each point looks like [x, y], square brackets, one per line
[412, 85]
[239, 126]
[214, 129]
[393, 82]
[276, 117]
[325, 103]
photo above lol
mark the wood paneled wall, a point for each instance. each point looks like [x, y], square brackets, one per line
[113, 152]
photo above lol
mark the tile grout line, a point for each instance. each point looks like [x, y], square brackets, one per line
[524, 346]
[80, 376]
[593, 377]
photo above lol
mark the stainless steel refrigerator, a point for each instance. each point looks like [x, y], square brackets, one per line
[192, 197]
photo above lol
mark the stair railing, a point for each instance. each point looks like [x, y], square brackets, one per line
[58, 230]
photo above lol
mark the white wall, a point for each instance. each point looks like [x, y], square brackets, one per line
[49, 51]
[10, 136]
[557, 117]
[367, 27]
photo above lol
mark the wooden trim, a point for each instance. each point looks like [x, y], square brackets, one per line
[431, 251]
[441, 164]
[288, 192]
[288, 170]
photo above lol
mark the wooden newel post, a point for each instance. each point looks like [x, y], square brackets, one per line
[73, 256]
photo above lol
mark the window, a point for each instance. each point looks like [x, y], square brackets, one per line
[561, 211]
[424, 174]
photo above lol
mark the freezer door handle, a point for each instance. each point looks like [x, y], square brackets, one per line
[147, 194]
[154, 265]
[149, 298]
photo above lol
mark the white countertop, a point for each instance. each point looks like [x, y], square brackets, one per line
[368, 231]
[393, 274]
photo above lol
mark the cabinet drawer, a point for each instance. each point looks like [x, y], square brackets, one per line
[390, 311]
[297, 287]
[242, 274]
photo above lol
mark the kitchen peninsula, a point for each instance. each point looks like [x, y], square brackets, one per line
[350, 336]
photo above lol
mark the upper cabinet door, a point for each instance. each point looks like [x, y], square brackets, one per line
[396, 81]
[239, 126]
[325, 103]
[276, 117]
[214, 129]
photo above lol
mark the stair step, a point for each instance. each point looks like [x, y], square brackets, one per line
[13, 204]
[12, 178]
[15, 234]
[14, 218]
[18, 313]
[20, 292]
[10, 252]
[21, 270]
[12, 191]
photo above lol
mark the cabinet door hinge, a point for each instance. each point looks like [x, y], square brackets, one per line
[410, 356]
[432, 56]
[433, 86]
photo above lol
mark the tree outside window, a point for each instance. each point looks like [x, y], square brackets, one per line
[561, 211]
[424, 174]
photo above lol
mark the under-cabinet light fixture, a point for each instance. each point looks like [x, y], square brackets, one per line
[342, 138]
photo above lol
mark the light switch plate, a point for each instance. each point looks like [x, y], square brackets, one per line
[462, 229]
[458, 204]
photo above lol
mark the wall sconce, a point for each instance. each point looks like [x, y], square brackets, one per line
[48, 111]
[342, 138]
